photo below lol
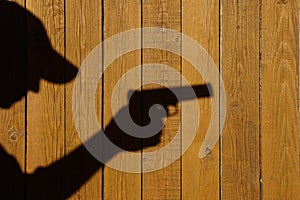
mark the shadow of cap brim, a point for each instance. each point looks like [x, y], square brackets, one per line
[58, 70]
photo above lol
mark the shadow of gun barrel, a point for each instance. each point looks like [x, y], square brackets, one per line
[183, 93]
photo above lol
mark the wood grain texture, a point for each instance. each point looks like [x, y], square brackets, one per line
[240, 72]
[12, 119]
[83, 33]
[120, 16]
[45, 116]
[280, 103]
[255, 43]
[200, 177]
[164, 183]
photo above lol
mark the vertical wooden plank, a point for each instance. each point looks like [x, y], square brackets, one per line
[12, 101]
[164, 183]
[83, 33]
[200, 178]
[280, 92]
[240, 71]
[45, 106]
[120, 16]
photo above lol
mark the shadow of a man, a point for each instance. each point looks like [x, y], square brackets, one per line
[26, 58]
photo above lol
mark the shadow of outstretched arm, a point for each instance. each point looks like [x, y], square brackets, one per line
[69, 169]
[13, 181]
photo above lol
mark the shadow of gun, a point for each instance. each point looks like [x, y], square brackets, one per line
[165, 97]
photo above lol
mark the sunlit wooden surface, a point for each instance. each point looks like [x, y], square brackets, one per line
[254, 43]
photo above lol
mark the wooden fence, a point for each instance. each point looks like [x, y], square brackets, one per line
[255, 44]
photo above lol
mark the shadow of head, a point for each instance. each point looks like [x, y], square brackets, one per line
[27, 55]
